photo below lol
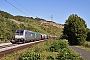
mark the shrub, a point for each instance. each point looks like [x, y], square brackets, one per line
[67, 54]
[50, 58]
[50, 50]
[30, 56]
[58, 44]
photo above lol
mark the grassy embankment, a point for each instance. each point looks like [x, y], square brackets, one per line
[48, 50]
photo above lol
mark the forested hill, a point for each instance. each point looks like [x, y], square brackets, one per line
[10, 23]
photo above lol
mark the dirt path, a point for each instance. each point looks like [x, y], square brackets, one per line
[84, 53]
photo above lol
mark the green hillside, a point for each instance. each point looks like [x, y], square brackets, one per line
[9, 24]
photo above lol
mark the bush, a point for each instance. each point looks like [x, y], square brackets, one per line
[87, 44]
[30, 56]
[50, 58]
[58, 44]
[67, 54]
[50, 50]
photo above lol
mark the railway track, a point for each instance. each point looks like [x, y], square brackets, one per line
[10, 48]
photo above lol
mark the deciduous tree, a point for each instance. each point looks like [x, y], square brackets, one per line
[76, 30]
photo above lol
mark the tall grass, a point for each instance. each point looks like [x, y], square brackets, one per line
[50, 50]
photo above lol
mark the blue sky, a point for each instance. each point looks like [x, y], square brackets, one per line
[60, 9]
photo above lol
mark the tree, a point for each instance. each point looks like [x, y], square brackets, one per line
[88, 35]
[75, 29]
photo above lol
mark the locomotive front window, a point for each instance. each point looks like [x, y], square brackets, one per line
[19, 32]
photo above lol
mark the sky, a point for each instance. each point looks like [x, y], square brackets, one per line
[59, 9]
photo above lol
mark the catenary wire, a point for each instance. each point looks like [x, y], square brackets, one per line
[16, 7]
[21, 5]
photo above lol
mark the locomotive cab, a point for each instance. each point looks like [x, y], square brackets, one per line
[19, 36]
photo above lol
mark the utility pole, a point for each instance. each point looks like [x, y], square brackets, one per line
[52, 18]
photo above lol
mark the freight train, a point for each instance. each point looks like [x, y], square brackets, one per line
[22, 36]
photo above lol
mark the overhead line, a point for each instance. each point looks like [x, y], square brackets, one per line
[16, 7]
[21, 5]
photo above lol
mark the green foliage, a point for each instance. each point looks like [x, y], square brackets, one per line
[87, 44]
[75, 29]
[88, 35]
[50, 58]
[7, 28]
[30, 56]
[42, 51]
[51, 29]
[50, 50]
[5, 14]
[67, 54]
[58, 44]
